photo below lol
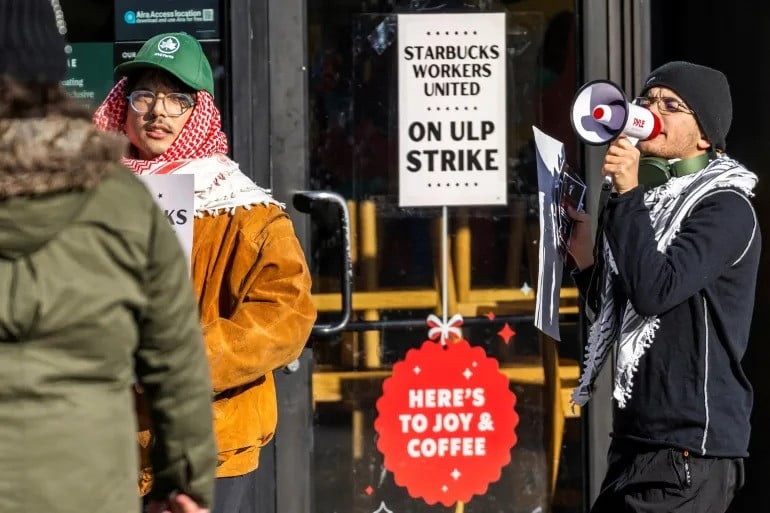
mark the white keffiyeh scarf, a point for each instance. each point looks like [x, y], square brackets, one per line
[220, 185]
[620, 326]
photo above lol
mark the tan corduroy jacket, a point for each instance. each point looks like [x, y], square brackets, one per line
[253, 288]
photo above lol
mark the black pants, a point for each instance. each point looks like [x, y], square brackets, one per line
[644, 480]
[235, 494]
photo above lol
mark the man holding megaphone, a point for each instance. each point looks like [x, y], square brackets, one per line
[671, 282]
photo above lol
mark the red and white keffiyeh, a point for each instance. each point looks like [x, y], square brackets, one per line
[220, 186]
[199, 150]
[202, 135]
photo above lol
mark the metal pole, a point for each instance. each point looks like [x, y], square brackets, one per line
[444, 253]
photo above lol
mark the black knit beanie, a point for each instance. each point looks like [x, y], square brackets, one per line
[32, 41]
[704, 90]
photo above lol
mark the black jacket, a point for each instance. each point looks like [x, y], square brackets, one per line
[689, 391]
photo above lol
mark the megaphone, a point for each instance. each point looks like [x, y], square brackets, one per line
[600, 112]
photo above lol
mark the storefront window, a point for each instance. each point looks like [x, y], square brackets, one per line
[353, 86]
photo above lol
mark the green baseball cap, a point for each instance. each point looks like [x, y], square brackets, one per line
[177, 53]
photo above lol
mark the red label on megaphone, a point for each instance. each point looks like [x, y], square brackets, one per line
[640, 122]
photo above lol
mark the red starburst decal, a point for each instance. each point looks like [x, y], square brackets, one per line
[506, 333]
[447, 430]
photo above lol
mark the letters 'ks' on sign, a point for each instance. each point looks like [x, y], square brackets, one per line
[175, 194]
[446, 422]
[452, 109]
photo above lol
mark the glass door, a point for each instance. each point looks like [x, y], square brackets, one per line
[397, 258]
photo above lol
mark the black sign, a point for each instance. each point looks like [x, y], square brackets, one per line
[139, 20]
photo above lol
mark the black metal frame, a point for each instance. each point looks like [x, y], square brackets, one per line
[246, 42]
[266, 44]
[616, 47]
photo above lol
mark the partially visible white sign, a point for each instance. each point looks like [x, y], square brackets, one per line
[175, 194]
[550, 157]
[452, 109]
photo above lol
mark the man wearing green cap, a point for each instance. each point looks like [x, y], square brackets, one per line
[248, 270]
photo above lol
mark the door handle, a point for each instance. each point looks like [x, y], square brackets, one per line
[308, 202]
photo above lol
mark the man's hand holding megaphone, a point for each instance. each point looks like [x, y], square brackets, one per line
[601, 113]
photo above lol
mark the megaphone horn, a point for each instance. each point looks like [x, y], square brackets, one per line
[600, 112]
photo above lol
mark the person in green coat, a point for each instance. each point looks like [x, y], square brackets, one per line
[95, 297]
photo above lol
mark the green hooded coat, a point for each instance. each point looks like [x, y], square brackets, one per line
[95, 295]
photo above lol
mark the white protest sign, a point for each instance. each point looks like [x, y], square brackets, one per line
[452, 109]
[175, 195]
[550, 158]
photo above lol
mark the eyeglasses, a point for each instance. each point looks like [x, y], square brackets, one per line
[667, 104]
[175, 104]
